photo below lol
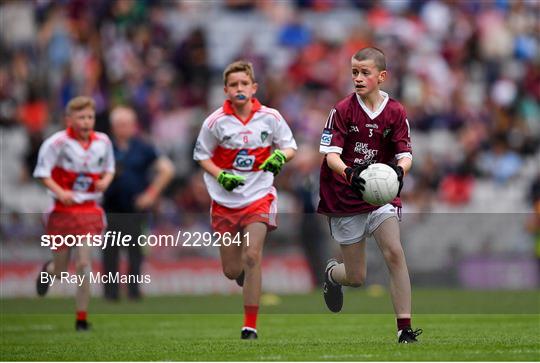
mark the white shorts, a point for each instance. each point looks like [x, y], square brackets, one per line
[353, 229]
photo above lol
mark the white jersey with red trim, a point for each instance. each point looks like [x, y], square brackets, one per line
[73, 166]
[240, 147]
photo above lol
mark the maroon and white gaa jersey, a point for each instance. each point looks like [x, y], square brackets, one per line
[362, 137]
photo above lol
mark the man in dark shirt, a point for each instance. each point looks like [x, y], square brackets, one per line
[134, 190]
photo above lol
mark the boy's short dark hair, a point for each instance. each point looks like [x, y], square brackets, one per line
[239, 66]
[375, 54]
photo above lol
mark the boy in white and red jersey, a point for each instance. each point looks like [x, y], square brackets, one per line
[77, 166]
[365, 127]
[234, 147]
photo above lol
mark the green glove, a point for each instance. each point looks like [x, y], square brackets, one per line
[275, 162]
[230, 181]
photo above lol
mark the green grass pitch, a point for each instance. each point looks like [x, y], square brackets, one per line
[458, 325]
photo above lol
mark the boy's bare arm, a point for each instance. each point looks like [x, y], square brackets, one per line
[103, 183]
[210, 167]
[64, 196]
[289, 153]
[335, 163]
[406, 164]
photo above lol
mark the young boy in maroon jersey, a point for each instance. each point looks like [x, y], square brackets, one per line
[365, 127]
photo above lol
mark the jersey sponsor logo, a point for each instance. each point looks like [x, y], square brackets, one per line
[386, 132]
[353, 128]
[326, 137]
[369, 154]
[244, 161]
[82, 183]
[358, 161]
[264, 135]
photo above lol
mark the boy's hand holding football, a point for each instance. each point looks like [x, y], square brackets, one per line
[352, 176]
[399, 171]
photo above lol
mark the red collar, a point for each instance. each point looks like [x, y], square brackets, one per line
[71, 133]
[229, 110]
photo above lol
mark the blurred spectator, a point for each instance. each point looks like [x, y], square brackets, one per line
[294, 35]
[535, 190]
[18, 26]
[312, 236]
[457, 187]
[34, 112]
[190, 60]
[500, 163]
[131, 194]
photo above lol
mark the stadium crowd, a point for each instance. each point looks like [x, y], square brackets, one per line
[468, 73]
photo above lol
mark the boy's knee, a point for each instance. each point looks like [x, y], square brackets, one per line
[394, 256]
[231, 272]
[357, 279]
[251, 258]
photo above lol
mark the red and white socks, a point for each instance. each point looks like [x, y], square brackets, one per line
[250, 317]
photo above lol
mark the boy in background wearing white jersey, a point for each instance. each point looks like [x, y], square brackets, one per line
[234, 147]
[77, 166]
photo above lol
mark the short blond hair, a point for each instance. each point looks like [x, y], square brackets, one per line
[239, 66]
[79, 103]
